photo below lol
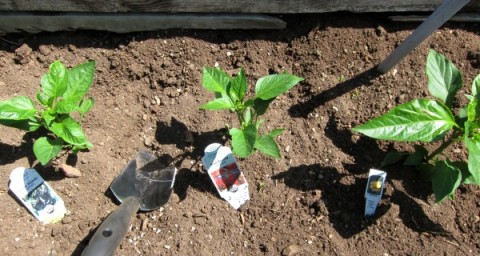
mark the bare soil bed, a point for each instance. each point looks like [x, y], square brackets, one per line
[310, 202]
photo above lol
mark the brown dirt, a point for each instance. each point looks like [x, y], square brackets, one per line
[310, 202]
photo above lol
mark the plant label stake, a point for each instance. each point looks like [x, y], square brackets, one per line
[225, 174]
[374, 190]
[39, 198]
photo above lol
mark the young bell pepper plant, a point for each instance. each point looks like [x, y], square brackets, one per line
[431, 120]
[230, 94]
[62, 93]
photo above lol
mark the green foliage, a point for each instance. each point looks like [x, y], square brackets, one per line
[62, 93]
[230, 94]
[428, 120]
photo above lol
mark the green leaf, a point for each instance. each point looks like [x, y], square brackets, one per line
[466, 175]
[65, 106]
[46, 149]
[28, 125]
[239, 85]
[425, 171]
[392, 157]
[473, 147]
[473, 107]
[248, 116]
[418, 120]
[261, 106]
[444, 79]
[44, 99]
[248, 103]
[275, 132]
[80, 78]
[476, 85]
[258, 123]
[48, 117]
[218, 104]
[18, 108]
[243, 140]
[273, 85]
[267, 145]
[417, 157]
[54, 83]
[445, 180]
[70, 131]
[215, 80]
[86, 105]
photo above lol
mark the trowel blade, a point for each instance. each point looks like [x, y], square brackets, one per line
[146, 179]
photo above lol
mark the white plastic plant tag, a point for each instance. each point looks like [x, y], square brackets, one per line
[374, 190]
[226, 175]
[37, 195]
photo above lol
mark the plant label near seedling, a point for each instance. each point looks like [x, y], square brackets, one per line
[39, 198]
[374, 191]
[225, 174]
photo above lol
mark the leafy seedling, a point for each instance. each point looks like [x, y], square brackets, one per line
[432, 120]
[62, 93]
[230, 94]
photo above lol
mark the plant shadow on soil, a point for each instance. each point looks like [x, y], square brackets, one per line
[341, 195]
[175, 133]
[12, 153]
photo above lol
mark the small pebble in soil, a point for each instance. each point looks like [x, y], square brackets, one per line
[44, 50]
[148, 141]
[23, 54]
[144, 225]
[380, 31]
[291, 250]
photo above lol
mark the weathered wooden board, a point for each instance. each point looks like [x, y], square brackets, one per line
[461, 17]
[127, 22]
[225, 6]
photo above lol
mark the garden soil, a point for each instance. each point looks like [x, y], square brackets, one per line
[148, 91]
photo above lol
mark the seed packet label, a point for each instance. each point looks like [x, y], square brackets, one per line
[374, 190]
[37, 196]
[225, 174]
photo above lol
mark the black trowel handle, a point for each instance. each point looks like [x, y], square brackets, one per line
[108, 236]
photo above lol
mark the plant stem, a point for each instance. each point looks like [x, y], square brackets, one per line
[444, 145]
[240, 117]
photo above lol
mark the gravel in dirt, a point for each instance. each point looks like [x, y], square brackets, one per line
[148, 89]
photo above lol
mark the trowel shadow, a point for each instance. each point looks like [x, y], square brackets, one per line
[302, 109]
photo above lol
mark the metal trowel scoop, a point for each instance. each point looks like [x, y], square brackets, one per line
[144, 184]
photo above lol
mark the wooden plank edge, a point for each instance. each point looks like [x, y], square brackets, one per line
[221, 6]
[133, 22]
[461, 17]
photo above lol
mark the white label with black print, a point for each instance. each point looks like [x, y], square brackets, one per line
[226, 175]
[36, 195]
[374, 190]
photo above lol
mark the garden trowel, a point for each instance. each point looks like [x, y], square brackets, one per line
[144, 184]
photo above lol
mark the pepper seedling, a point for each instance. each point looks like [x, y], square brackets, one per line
[432, 120]
[230, 94]
[62, 93]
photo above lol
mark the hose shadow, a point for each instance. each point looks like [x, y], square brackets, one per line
[304, 108]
